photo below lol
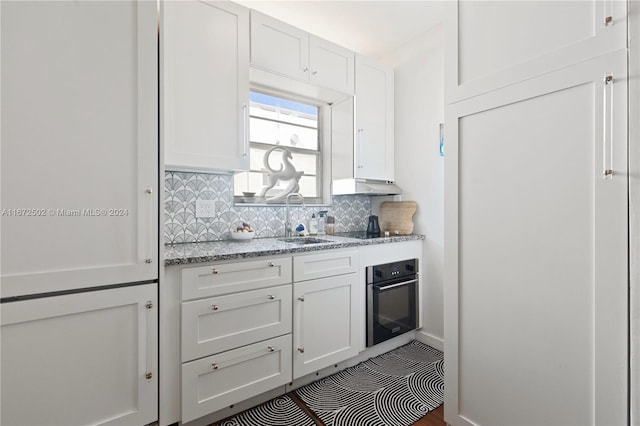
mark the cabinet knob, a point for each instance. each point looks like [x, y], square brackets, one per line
[271, 264]
[314, 72]
[271, 349]
[214, 366]
[214, 271]
[301, 350]
[214, 307]
[301, 298]
[305, 70]
[271, 297]
[608, 20]
[149, 190]
[148, 375]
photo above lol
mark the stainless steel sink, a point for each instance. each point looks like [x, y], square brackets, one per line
[304, 240]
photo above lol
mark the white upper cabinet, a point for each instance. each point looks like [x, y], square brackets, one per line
[206, 85]
[331, 66]
[79, 145]
[493, 44]
[374, 121]
[279, 47]
[284, 49]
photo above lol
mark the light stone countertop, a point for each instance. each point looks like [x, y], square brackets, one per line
[211, 251]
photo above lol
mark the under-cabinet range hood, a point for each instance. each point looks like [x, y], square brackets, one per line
[363, 186]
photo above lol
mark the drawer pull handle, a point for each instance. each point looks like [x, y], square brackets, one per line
[214, 366]
[271, 297]
[214, 307]
[272, 349]
[214, 271]
[271, 264]
[301, 298]
[301, 350]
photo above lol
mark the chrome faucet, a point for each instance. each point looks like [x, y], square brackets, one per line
[287, 224]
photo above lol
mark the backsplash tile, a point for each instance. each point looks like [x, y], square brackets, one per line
[183, 189]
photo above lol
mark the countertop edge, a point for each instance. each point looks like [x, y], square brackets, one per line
[213, 251]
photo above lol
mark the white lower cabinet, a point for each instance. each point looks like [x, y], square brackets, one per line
[212, 383]
[221, 323]
[86, 358]
[325, 310]
[236, 328]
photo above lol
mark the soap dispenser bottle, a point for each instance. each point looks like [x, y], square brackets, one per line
[313, 225]
[321, 222]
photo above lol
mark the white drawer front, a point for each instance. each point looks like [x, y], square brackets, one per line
[215, 382]
[324, 264]
[221, 323]
[225, 278]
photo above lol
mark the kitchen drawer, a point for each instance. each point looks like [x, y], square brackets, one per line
[215, 382]
[221, 323]
[325, 264]
[225, 278]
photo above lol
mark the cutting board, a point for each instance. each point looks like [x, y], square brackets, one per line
[397, 216]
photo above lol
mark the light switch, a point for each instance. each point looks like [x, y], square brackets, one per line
[205, 208]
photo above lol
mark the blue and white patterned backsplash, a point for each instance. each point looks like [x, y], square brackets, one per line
[183, 189]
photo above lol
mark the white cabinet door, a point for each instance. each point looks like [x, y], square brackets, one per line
[224, 278]
[221, 323]
[85, 358]
[325, 325]
[493, 44]
[206, 85]
[536, 265]
[79, 144]
[324, 264]
[212, 383]
[374, 120]
[331, 66]
[279, 47]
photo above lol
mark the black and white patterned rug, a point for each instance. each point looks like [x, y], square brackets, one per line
[394, 389]
[281, 411]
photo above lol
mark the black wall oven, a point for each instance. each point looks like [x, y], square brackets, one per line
[392, 300]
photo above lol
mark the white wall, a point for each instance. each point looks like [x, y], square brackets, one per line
[419, 108]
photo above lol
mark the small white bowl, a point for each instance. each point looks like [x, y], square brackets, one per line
[242, 235]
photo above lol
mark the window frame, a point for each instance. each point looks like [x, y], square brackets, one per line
[323, 170]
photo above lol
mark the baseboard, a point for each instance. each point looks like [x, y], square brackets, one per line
[430, 339]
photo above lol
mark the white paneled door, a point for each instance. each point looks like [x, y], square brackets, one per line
[79, 144]
[536, 258]
[85, 358]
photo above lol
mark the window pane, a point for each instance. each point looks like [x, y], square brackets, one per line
[276, 133]
[277, 122]
[283, 110]
[306, 163]
[308, 186]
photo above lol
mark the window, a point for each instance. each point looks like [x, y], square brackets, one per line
[279, 126]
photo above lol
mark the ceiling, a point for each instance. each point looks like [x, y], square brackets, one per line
[372, 28]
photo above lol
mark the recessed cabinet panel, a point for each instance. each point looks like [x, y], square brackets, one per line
[374, 120]
[206, 81]
[497, 43]
[543, 229]
[325, 322]
[218, 324]
[81, 358]
[324, 264]
[331, 65]
[225, 278]
[212, 383]
[279, 47]
[79, 144]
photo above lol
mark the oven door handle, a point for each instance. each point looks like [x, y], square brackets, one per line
[390, 286]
